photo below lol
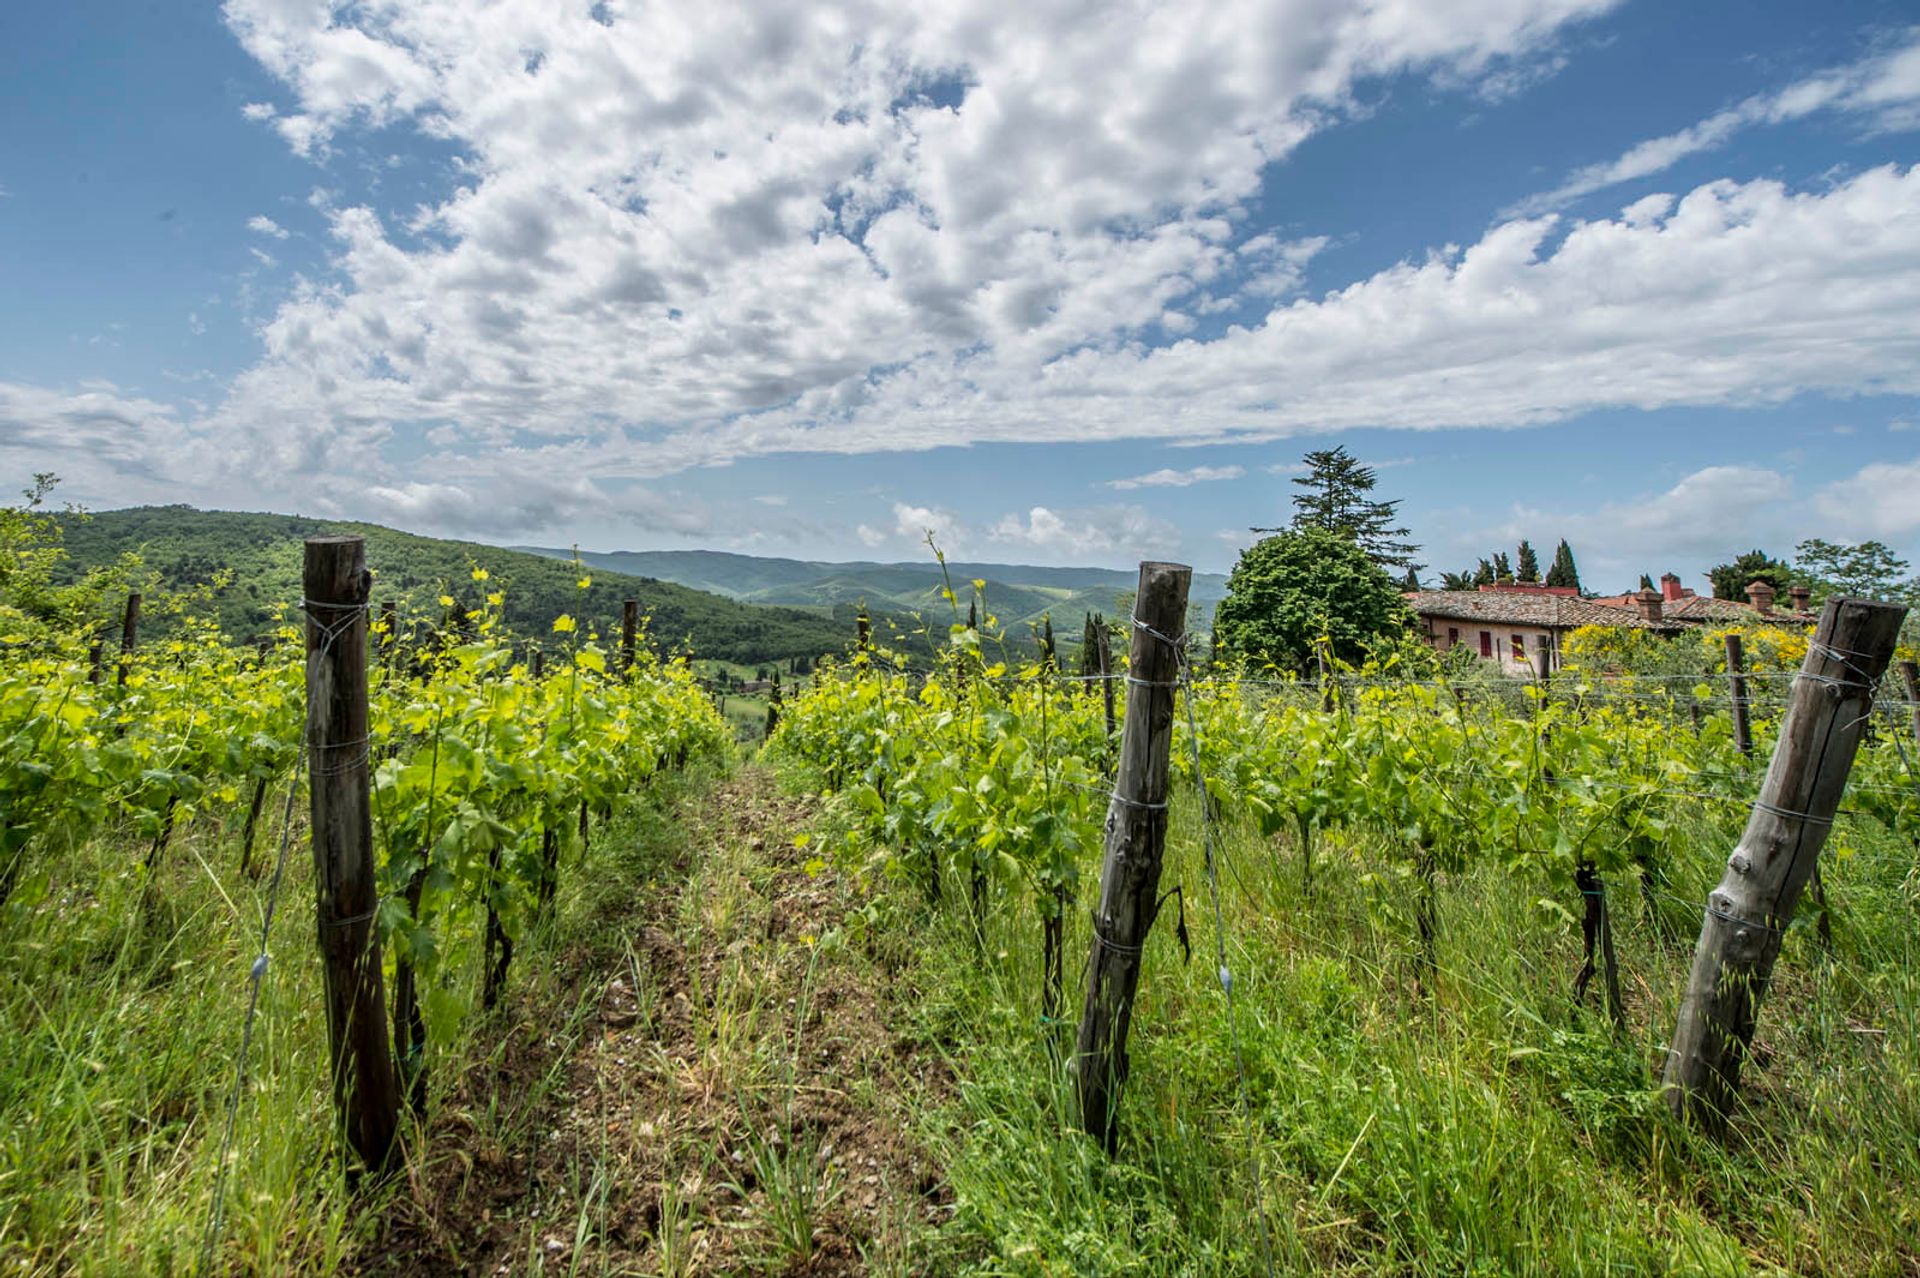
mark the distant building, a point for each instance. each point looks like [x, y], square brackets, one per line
[1523, 626]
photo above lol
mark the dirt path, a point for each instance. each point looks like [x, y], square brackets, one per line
[725, 1097]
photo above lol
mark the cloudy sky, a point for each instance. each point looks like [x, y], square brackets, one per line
[1069, 282]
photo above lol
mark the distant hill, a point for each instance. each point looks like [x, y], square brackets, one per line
[1017, 594]
[187, 547]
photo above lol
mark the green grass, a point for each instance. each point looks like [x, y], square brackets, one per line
[1486, 1126]
[122, 1026]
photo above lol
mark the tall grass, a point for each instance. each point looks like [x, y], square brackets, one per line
[1477, 1123]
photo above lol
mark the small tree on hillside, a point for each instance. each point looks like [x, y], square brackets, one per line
[1335, 499]
[1529, 567]
[1291, 588]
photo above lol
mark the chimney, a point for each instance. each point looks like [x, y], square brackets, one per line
[1760, 595]
[1670, 587]
[1800, 596]
[1647, 604]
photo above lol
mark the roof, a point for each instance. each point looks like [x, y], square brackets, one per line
[1551, 611]
[1703, 610]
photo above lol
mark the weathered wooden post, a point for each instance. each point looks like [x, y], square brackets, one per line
[1737, 687]
[773, 704]
[1910, 677]
[1104, 638]
[1747, 914]
[93, 659]
[1136, 832]
[629, 627]
[365, 1091]
[129, 635]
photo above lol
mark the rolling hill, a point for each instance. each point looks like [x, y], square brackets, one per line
[183, 548]
[1018, 594]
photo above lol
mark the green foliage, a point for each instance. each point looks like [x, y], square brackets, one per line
[1335, 499]
[1502, 566]
[1730, 580]
[1297, 586]
[1563, 572]
[41, 596]
[1529, 569]
[183, 547]
[1866, 570]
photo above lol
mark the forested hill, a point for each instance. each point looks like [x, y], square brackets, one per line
[1017, 594]
[185, 547]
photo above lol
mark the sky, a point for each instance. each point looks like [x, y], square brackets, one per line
[1063, 282]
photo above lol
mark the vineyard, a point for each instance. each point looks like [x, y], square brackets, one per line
[152, 801]
[1381, 967]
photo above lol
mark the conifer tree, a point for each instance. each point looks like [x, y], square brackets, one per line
[1335, 498]
[1483, 575]
[1529, 563]
[1563, 572]
[1502, 566]
[1412, 581]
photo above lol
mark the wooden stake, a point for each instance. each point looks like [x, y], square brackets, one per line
[129, 635]
[1746, 915]
[1737, 685]
[1105, 641]
[629, 627]
[1910, 676]
[1136, 838]
[365, 1091]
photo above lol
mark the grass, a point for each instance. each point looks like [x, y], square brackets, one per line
[122, 1026]
[1486, 1126]
[724, 1058]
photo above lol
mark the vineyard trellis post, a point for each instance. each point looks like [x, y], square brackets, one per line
[1737, 688]
[1747, 914]
[1910, 678]
[365, 1089]
[129, 635]
[629, 626]
[1136, 832]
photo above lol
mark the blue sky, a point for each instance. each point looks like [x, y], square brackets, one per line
[1068, 283]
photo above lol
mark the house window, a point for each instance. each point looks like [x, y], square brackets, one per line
[1520, 649]
[1453, 635]
[1486, 643]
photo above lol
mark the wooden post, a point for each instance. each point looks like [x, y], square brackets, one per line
[1746, 915]
[93, 660]
[365, 1091]
[629, 626]
[537, 667]
[1737, 685]
[129, 635]
[863, 630]
[1136, 833]
[390, 633]
[1910, 676]
[773, 704]
[1104, 639]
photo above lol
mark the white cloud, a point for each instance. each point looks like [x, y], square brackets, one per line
[1705, 518]
[1099, 532]
[261, 224]
[1881, 500]
[1169, 478]
[1883, 91]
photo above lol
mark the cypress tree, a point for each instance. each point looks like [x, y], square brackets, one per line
[1563, 572]
[1529, 563]
[1483, 575]
[1502, 566]
[1412, 581]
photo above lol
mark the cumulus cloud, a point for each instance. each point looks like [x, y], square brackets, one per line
[1167, 477]
[1099, 532]
[261, 224]
[1883, 91]
[1708, 517]
[1881, 500]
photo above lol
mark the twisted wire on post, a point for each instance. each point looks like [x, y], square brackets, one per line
[257, 970]
[1184, 680]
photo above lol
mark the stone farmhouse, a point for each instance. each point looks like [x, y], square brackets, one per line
[1522, 626]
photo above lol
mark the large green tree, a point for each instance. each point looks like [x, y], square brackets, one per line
[1297, 585]
[1867, 569]
[1335, 497]
[1730, 581]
